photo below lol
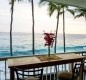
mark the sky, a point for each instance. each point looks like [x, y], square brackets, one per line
[22, 20]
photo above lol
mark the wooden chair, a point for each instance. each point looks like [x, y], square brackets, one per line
[32, 74]
[73, 75]
[84, 70]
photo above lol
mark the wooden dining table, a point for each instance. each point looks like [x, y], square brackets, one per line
[42, 61]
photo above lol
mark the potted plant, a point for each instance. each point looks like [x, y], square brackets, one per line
[49, 40]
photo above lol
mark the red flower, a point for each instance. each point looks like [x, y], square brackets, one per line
[49, 38]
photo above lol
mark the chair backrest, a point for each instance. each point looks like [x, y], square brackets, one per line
[22, 74]
[76, 70]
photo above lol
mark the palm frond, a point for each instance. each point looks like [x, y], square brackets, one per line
[41, 2]
[80, 13]
[51, 8]
[71, 11]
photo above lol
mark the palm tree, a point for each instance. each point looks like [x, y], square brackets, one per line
[55, 7]
[60, 10]
[12, 9]
[80, 13]
[33, 41]
[64, 28]
[65, 8]
[33, 32]
[52, 7]
[11, 2]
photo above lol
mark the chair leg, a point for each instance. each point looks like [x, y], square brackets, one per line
[84, 76]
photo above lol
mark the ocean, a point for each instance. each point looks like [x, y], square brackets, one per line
[22, 44]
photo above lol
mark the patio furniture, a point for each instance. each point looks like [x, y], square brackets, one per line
[73, 75]
[35, 62]
[84, 70]
[31, 74]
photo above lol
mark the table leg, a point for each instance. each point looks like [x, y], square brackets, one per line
[11, 74]
[71, 66]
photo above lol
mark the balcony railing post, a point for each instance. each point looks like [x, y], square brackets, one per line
[5, 70]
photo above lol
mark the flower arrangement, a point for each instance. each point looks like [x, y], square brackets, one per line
[49, 40]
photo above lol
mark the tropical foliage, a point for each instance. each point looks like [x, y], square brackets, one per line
[80, 13]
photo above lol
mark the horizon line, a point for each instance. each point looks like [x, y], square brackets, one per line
[39, 33]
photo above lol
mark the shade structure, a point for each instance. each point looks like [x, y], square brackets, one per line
[75, 3]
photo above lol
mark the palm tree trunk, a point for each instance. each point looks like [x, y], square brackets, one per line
[85, 17]
[64, 29]
[56, 32]
[12, 8]
[56, 39]
[33, 41]
[64, 33]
